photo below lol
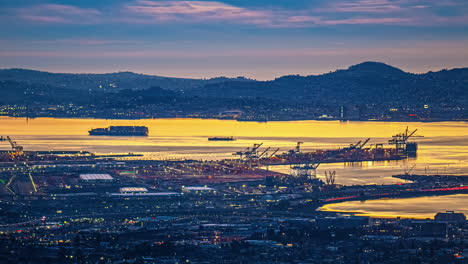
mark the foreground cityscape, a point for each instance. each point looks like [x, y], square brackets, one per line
[81, 207]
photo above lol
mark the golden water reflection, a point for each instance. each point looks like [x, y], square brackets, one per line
[421, 207]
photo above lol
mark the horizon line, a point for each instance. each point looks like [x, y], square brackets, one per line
[229, 77]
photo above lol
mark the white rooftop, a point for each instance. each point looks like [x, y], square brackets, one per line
[145, 194]
[198, 188]
[94, 177]
[133, 189]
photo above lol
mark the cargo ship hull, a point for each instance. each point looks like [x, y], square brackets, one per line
[120, 131]
[221, 139]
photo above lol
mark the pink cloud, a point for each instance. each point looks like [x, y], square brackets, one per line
[161, 11]
[59, 14]
[334, 12]
[353, 12]
[304, 19]
[363, 6]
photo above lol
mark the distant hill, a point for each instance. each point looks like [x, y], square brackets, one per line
[365, 83]
[368, 82]
[105, 82]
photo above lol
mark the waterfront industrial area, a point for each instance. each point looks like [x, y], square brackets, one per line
[82, 207]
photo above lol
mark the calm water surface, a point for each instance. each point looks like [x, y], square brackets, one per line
[421, 207]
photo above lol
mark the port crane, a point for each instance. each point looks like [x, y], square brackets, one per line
[296, 150]
[364, 143]
[264, 152]
[250, 154]
[242, 153]
[253, 154]
[308, 170]
[358, 145]
[274, 152]
[354, 146]
[401, 140]
[14, 146]
[330, 177]
[24, 170]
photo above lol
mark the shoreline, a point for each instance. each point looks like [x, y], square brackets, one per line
[240, 121]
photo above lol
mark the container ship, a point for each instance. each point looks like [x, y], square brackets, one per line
[221, 139]
[120, 131]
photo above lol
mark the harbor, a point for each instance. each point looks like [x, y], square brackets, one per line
[220, 192]
[357, 161]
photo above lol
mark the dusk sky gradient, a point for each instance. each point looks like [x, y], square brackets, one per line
[254, 38]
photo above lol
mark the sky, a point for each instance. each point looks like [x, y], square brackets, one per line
[259, 39]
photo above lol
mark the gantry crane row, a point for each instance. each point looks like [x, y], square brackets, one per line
[264, 152]
[274, 152]
[248, 153]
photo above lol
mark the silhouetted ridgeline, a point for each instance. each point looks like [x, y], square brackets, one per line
[365, 83]
[107, 81]
[360, 84]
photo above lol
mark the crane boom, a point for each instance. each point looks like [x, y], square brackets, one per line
[263, 153]
[364, 143]
[274, 152]
[14, 145]
[256, 146]
[410, 135]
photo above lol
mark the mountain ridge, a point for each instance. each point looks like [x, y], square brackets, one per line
[363, 83]
[110, 81]
[366, 65]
